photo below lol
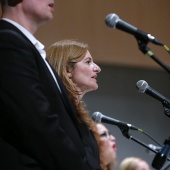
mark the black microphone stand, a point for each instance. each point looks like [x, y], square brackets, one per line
[161, 156]
[142, 44]
[166, 109]
[125, 132]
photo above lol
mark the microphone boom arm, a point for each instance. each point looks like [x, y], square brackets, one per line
[142, 44]
[125, 132]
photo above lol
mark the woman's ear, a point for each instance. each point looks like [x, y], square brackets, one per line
[69, 72]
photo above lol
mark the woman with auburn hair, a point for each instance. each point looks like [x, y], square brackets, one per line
[74, 64]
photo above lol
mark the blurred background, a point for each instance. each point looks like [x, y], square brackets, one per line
[122, 64]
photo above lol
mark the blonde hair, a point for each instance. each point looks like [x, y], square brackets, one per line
[63, 55]
[130, 163]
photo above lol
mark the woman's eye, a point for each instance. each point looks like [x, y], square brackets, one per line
[88, 62]
[103, 134]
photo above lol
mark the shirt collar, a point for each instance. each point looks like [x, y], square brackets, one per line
[34, 41]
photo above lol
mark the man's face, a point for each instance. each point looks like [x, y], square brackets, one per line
[38, 10]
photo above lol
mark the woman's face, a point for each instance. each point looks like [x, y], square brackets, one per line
[84, 74]
[107, 145]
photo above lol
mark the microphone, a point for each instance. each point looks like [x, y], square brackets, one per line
[161, 156]
[113, 21]
[99, 117]
[143, 87]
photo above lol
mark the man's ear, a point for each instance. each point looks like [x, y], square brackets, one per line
[14, 2]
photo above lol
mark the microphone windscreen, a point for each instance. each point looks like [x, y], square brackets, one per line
[111, 20]
[142, 86]
[96, 116]
[158, 162]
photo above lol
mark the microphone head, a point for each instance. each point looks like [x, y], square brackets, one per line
[97, 116]
[142, 85]
[158, 161]
[111, 20]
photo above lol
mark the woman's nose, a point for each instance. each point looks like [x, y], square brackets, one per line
[96, 68]
[112, 138]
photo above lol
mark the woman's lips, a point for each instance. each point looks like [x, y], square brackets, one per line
[114, 147]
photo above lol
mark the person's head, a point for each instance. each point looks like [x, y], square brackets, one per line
[28, 13]
[74, 64]
[107, 147]
[134, 163]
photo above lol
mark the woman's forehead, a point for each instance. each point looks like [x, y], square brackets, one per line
[101, 128]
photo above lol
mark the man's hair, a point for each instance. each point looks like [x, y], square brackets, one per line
[2, 2]
[10, 2]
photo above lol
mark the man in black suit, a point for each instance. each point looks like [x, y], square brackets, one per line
[39, 129]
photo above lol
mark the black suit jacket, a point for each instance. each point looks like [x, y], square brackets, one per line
[38, 125]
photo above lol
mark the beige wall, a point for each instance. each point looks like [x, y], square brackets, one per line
[84, 20]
